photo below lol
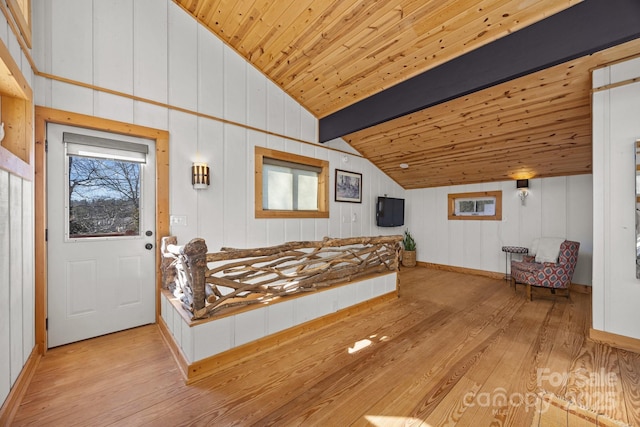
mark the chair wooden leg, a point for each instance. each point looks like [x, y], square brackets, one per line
[529, 292]
[513, 283]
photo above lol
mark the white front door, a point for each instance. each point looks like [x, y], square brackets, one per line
[101, 233]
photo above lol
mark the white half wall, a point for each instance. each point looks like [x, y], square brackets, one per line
[558, 207]
[616, 128]
[218, 335]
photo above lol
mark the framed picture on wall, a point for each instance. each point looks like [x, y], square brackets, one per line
[348, 186]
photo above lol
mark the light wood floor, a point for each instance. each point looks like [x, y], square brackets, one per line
[449, 350]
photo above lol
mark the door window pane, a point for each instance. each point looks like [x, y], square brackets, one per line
[104, 197]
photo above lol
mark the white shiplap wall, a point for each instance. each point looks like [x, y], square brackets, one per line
[559, 207]
[616, 128]
[17, 332]
[154, 50]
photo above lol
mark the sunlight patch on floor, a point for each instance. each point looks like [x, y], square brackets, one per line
[364, 343]
[386, 421]
[359, 345]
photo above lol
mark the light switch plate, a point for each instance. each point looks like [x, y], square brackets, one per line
[178, 220]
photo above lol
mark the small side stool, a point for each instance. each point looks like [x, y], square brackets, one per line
[508, 250]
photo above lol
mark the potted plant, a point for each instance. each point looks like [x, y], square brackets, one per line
[409, 252]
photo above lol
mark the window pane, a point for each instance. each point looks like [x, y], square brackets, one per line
[104, 197]
[481, 206]
[277, 191]
[307, 195]
[287, 188]
[486, 207]
[467, 206]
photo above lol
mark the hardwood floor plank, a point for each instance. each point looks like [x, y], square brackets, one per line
[572, 330]
[422, 359]
[297, 370]
[454, 406]
[418, 369]
[630, 378]
[534, 362]
[594, 381]
[345, 381]
[502, 370]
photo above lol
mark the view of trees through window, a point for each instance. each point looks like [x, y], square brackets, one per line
[104, 197]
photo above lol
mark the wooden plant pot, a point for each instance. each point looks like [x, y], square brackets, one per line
[408, 258]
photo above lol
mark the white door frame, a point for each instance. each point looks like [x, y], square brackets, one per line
[45, 115]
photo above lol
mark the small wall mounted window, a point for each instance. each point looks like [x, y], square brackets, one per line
[485, 205]
[290, 186]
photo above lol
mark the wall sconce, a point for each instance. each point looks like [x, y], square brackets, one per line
[200, 176]
[523, 187]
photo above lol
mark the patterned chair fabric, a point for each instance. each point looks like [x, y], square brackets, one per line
[547, 275]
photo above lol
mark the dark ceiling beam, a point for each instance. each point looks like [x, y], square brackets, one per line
[588, 27]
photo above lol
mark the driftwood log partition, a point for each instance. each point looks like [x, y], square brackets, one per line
[208, 282]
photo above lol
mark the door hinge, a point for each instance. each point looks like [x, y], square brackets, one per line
[46, 234]
[46, 145]
[46, 323]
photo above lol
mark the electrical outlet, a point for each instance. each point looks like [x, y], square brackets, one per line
[178, 220]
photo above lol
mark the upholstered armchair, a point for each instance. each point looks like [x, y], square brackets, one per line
[553, 275]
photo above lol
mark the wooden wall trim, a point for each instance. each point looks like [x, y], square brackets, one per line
[184, 110]
[22, 20]
[13, 401]
[615, 340]
[463, 270]
[16, 31]
[574, 287]
[15, 165]
[581, 289]
[39, 230]
[614, 85]
[205, 367]
[48, 115]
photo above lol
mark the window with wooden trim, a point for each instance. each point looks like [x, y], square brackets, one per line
[290, 186]
[486, 205]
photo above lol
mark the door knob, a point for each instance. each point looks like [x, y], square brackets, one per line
[148, 246]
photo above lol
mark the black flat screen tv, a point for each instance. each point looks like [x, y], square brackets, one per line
[389, 212]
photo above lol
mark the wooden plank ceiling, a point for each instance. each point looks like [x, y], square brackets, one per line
[328, 54]
[535, 126]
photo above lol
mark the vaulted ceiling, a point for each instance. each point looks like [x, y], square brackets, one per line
[333, 56]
